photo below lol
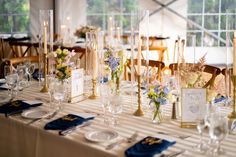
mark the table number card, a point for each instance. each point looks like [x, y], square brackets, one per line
[193, 105]
[77, 84]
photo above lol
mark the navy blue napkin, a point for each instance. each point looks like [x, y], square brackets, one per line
[16, 106]
[148, 147]
[36, 75]
[66, 122]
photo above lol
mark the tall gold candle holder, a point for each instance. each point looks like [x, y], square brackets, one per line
[45, 86]
[139, 111]
[94, 92]
[232, 115]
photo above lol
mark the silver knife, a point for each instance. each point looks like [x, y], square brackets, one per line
[73, 128]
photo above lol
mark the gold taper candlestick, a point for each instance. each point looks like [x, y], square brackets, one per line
[139, 111]
[45, 86]
[94, 94]
[232, 115]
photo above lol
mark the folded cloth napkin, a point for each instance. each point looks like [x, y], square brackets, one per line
[16, 106]
[66, 122]
[148, 147]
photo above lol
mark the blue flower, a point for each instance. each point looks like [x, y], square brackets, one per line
[166, 90]
[113, 63]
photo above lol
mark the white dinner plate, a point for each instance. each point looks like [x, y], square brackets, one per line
[35, 113]
[101, 135]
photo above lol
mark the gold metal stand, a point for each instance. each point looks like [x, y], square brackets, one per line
[45, 86]
[139, 111]
[94, 94]
[232, 115]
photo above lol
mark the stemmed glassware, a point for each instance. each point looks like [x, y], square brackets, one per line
[115, 108]
[105, 93]
[11, 79]
[51, 84]
[218, 131]
[201, 147]
[29, 69]
[59, 92]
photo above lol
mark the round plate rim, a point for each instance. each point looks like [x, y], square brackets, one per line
[24, 114]
[88, 134]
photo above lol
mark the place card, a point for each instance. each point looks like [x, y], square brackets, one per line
[77, 84]
[193, 106]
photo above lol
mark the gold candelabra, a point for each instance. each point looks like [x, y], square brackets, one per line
[94, 92]
[45, 86]
[232, 115]
[139, 111]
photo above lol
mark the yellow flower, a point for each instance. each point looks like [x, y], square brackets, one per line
[65, 52]
[58, 51]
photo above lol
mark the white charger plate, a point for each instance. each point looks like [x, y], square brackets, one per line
[101, 135]
[35, 113]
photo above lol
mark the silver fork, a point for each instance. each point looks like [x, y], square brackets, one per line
[172, 154]
[182, 137]
[130, 139]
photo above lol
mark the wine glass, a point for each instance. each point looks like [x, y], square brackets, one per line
[105, 93]
[11, 81]
[115, 107]
[218, 131]
[21, 71]
[51, 84]
[59, 93]
[30, 70]
[200, 122]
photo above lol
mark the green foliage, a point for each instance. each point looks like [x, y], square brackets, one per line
[14, 16]
[99, 10]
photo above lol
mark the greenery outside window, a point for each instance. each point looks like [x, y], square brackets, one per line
[98, 12]
[14, 17]
[211, 15]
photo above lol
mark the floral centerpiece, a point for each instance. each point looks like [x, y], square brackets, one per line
[62, 61]
[158, 95]
[191, 74]
[81, 32]
[115, 64]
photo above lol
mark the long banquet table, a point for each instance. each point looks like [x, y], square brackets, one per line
[18, 139]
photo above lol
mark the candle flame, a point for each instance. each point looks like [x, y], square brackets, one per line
[45, 23]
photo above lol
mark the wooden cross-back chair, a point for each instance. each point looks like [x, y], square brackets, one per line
[20, 60]
[153, 66]
[155, 46]
[214, 71]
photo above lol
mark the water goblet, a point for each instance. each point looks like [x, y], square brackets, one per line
[59, 93]
[51, 84]
[201, 146]
[218, 131]
[11, 81]
[105, 93]
[115, 108]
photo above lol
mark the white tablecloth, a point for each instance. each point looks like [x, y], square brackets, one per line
[17, 139]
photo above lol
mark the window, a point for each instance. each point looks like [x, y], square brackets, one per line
[211, 15]
[14, 17]
[99, 10]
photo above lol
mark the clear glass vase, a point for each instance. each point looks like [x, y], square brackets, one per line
[156, 112]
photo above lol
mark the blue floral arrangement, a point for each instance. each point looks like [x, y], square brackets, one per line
[159, 95]
[114, 60]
